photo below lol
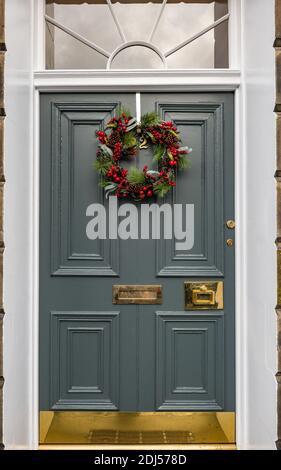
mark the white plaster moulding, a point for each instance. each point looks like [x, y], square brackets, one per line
[135, 80]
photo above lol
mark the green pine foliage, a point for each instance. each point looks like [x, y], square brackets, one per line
[103, 183]
[183, 162]
[161, 189]
[150, 119]
[136, 176]
[102, 165]
[129, 140]
[122, 110]
[159, 152]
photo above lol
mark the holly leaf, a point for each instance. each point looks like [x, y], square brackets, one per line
[152, 172]
[151, 136]
[112, 125]
[170, 155]
[106, 150]
[185, 149]
[173, 133]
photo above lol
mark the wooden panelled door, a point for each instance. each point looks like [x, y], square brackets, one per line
[99, 356]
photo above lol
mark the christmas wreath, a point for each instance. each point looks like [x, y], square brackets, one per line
[121, 139]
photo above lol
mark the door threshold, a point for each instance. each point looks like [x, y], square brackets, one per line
[140, 447]
[136, 430]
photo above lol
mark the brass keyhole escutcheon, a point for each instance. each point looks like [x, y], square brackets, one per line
[230, 224]
[230, 242]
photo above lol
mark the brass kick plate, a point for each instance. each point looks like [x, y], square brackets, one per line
[203, 295]
[137, 428]
[137, 294]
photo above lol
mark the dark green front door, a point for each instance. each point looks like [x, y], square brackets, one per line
[96, 355]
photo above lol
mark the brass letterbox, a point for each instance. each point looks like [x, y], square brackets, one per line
[137, 294]
[204, 295]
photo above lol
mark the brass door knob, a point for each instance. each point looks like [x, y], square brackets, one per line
[230, 224]
[229, 242]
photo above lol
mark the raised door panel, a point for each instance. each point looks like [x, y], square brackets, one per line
[84, 360]
[75, 185]
[190, 361]
[202, 128]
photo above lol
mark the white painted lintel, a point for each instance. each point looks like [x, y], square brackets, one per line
[136, 80]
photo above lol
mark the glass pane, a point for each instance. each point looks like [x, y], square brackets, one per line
[71, 54]
[137, 57]
[134, 21]
[199, 54]
[181, 21]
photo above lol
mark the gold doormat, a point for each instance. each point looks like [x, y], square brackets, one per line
[140, 437]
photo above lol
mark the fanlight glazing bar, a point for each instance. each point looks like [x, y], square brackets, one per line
[157, 20]
[198, 35]
[77, 36]
[115, 19]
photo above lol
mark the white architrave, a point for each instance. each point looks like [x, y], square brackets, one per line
[255, 209]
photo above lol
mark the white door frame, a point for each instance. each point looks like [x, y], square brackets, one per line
[149, 81]
[253, 424]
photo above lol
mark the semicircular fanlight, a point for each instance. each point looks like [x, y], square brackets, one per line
[172, 34]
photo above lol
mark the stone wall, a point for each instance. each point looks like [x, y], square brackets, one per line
[2, 180]
[277, 45]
